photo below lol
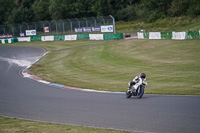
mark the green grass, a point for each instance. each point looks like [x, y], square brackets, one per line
[8, 125]
[172, 66]
[183, 23]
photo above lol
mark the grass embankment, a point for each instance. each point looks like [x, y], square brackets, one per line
[8, 125]
[172, 66]
[183, 23]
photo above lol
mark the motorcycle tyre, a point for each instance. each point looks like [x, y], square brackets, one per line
[128, 94]
[142, 92]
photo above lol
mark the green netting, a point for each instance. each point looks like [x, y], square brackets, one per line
[36, 38]
[166, 35]
[146, 35]
[112, 36]
[192, 35]
[59, 38]
[0, 42]
[83, 36]
[6, 40]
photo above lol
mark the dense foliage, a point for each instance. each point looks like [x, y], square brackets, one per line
[17, 11]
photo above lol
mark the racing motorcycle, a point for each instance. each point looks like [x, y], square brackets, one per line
[136, 88]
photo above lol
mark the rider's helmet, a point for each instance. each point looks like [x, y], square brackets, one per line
[143, 75]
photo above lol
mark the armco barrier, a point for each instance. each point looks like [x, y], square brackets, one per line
[96, 36]
[192, 35]
[169, 35]
[70, 37]
[178, 35]
[56, 38]
[36, 38]
[47, 38]
[154, 35]
[2, 41]
[64, 37]
[24, 39]
[10, 40]
[112, 36]
[146, 35]
[83, 37]
[166, 35]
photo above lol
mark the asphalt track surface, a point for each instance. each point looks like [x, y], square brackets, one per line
[27, 99]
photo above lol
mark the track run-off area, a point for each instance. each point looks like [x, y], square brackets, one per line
[28, 99]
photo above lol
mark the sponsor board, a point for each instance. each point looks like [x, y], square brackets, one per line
[108, 28]
[6, 36]
[78, 29]
[30, 32]
[46, 29]
[96, 28]
[21, 34]
[87, 29]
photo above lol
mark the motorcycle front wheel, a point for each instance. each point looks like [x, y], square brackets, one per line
[128, 94]
[140, 92]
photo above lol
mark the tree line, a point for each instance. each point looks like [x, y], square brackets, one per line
[18, 11]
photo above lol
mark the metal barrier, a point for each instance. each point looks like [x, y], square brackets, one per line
[57, 27]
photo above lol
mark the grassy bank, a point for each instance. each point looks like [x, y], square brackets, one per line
[172, 66]
[8, 125]
[183, 23]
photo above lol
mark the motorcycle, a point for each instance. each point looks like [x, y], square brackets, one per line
[136, 88]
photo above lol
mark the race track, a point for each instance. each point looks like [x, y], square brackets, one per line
[27, 99]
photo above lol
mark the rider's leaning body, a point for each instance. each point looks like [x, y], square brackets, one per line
[142, 76]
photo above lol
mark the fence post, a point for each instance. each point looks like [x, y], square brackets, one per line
[78, 22]
[43, 28]
[56, 28]
[103, 20]
[70, 24]
[95, 22]
[113, 23]
[4, 30]
[35, 26]
[63, 26]
[13, 31]
[27, 26]
[49, 26]
[20, 28]
[86, 22]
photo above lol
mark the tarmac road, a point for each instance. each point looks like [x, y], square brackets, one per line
[27, 99]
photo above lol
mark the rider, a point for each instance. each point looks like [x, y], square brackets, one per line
[136, 79]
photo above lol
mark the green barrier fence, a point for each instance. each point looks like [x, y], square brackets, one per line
[36, 38]
[166, 35]
[6, 40]
[192, 35]
[83, 36]
[59, 38]
[0, 42]
[14, 40]
[146, 35]
[169, 35]
[112, 36]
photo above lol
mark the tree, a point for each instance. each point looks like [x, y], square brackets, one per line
[151, 10]
[5, 9]
[41, 10]
[194, 8]
[179, 7]
[21, 12]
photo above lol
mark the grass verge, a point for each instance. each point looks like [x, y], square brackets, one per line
[10, 125]
[172, 66]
